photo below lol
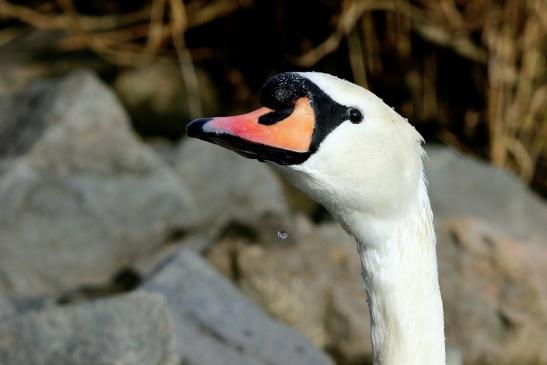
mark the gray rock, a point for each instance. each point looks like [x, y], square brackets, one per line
[11, 307]
[216, 325]
[228, 188]
[6, 308]
[314, 285]
[453, 356]
[464, 186]
[80, 195]
[133, 329]
[494, 293]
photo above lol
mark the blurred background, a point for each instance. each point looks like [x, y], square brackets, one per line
[134, 243]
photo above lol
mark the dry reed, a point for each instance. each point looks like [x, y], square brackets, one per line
[128, 39]
[511, 46]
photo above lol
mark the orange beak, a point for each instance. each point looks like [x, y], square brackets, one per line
[280, 136]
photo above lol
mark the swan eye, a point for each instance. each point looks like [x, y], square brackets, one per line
[355, 116]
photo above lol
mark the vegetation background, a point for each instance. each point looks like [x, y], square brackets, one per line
[468, 73]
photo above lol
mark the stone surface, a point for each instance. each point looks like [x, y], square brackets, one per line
[494, 292]
[229, 188]
[464, 186]
[453, 356]
[314, 285]
[80, 195]
[216, 325]
[7, 308]
[11, 307]
[127, 330]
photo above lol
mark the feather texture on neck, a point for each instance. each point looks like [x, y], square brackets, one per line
[399, 270]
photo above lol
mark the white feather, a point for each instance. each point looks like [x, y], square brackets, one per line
[370, 177]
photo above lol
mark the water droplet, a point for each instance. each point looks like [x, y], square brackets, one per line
[392, 107]
[282, 235]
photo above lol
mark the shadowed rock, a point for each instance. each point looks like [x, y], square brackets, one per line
[494, 293]
[216, 325]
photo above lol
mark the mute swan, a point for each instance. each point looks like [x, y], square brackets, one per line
[356, 156]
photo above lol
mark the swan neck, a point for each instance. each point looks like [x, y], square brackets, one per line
[399, 269]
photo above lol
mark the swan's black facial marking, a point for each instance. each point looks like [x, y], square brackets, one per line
[276, 115]
[281, 92]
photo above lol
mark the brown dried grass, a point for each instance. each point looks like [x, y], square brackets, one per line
[512, 47]
[128, 39]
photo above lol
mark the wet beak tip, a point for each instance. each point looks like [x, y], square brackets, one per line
[195, 128]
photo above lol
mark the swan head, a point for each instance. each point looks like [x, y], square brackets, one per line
[336, 141]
